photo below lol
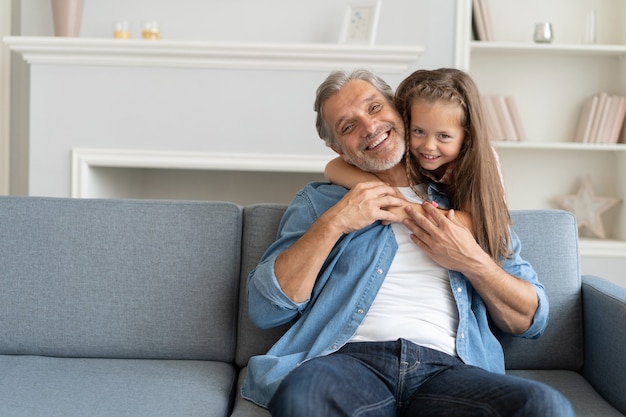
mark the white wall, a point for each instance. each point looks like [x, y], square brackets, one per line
[164, 109]
[609, 268]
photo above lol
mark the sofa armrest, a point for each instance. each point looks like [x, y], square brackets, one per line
[604, 320]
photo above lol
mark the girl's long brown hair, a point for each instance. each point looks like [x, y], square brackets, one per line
[476, 185]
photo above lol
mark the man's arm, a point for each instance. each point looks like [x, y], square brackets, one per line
[297, 267]
[511, 301]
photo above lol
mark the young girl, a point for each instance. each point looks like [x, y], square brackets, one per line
[448, 149]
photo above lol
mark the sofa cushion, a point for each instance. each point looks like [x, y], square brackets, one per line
[33, 386]
[550, 243]
[119, 278]
[586, 401]
[245, 408]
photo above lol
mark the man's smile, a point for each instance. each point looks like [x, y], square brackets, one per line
[378, 141]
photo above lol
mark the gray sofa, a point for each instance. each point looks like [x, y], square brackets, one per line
[137, 308]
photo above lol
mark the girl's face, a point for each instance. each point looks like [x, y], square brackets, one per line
[436, 134]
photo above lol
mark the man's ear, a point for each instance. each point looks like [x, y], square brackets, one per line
[339, 152]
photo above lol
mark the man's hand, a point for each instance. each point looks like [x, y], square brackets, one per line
[364, 204]
[511, 302]
[297, 268]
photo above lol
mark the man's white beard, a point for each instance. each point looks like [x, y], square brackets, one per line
[376, 164]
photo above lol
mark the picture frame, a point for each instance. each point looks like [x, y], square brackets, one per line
[360, 22]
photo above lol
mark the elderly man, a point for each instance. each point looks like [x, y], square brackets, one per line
[429, 350]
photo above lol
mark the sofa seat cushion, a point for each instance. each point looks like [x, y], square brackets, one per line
[245, 408]
[587, 402]
[36, 386]
[585, 399]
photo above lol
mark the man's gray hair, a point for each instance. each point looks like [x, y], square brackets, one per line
[335, 82]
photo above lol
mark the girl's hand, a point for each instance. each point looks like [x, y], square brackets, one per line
[446, 240]
[458, 217]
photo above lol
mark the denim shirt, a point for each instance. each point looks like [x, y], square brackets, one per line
[345, 289]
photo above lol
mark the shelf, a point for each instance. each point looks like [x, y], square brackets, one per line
[222, 55]
[561, 146]
[552, 48]
[83, 160]
[602, 248]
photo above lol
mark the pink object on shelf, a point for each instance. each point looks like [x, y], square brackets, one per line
[67, 16]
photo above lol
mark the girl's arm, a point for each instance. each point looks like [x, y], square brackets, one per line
[342, 173]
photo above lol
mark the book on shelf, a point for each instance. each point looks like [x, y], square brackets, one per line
[621, 130]
[618, 117]
[482, 21]
[505, 119]
[583, 131]
[492, 125]
[602, 119]
[517, 122]
[622, 134]
[502, 118]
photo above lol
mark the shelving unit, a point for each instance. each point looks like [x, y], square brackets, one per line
[550, 83]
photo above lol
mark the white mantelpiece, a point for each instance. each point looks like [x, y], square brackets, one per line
[90, 165]
[229, 55]
[131, 112]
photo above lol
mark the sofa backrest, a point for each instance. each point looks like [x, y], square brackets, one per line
[549, 241]
[119, 278]
[260, 223]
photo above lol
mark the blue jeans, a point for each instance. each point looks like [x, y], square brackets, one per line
[403, 379]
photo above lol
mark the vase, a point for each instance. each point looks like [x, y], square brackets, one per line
[67, 16]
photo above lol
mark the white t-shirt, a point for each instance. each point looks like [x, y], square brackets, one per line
[415, 301]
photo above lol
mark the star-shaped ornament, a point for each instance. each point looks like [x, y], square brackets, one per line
[587, 207]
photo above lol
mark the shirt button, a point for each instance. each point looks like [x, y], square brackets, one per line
[360, 311]
[459, 289]
[462, 335]
[379, 271]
